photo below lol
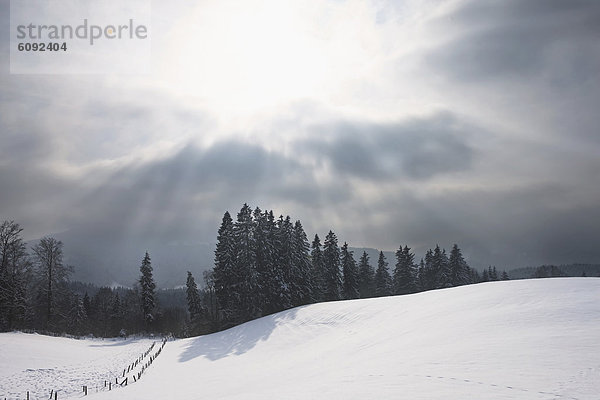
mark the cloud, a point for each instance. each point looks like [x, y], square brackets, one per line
[471, 122]
[516, 39]
[416, 148]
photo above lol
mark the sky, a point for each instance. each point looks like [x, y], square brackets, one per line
[389, 122]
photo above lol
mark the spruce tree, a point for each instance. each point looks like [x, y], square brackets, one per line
[284, 263]
[245, 281]
[192, 295]
[301, 284]
[331, 263]
[224, 273]
[492, 273]
[382, 277]
[505, 276]
[366, 277]
[267, 273]
[350, 274]
[459, 269]
[485, 277]
[428, 272]
[440, 267]
[116, 315]
[422, 276]
[147, 295]
[404, 277]
[87, 306]
[474, 276]
[317, 269]
[78, 318]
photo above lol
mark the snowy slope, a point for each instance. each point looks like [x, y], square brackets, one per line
[534, 339]
[40, 364]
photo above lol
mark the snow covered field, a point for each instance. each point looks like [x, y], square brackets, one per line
[533, 339]
[39, 364]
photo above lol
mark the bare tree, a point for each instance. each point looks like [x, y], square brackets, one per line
[51, 272]
[13, 270]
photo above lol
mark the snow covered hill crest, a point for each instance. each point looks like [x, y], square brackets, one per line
[533, 339]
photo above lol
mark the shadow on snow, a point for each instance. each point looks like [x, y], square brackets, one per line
[237, 340]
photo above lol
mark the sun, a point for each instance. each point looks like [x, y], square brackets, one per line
[247, 55]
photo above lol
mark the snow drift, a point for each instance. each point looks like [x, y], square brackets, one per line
[533, 339]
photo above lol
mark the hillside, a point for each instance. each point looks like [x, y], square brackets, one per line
[529, 339]
[40, 364]
[534, 339]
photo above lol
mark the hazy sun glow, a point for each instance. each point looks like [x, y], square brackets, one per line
[242, 58]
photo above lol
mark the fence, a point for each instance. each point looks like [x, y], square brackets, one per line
[135, 370]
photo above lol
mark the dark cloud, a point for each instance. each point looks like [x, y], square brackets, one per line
[163, 205]
[509, 227]
[187, 193]
[418, 149]
[96, 158]
[520, 39]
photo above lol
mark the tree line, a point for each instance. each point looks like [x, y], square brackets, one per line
[265, 265]
[262, 265]
[36, 294]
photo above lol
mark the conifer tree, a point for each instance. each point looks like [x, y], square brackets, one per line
[474, 276]
[428, 272]
[404, 279]
[301, 284]
[87, 306]
[422, 276]
[504, 276]
[147, 295]
[350, 274]
[438, 269]
[265, 256]
[116, 315]
[459, 269]
[317, 269]
[366, 277]
[224, 273]
[194, 301]
[331, 263]
[78, 317]
[245, 278]
[492, 273]
[382, 277]
[284, 263]
[485, 276]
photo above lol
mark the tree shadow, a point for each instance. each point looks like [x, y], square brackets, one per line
[237, 340]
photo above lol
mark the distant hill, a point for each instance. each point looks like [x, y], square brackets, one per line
[572, 270]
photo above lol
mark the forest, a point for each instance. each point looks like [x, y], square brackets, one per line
[262, 265]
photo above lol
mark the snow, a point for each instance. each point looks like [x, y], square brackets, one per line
[531, 339]
[40, 364]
